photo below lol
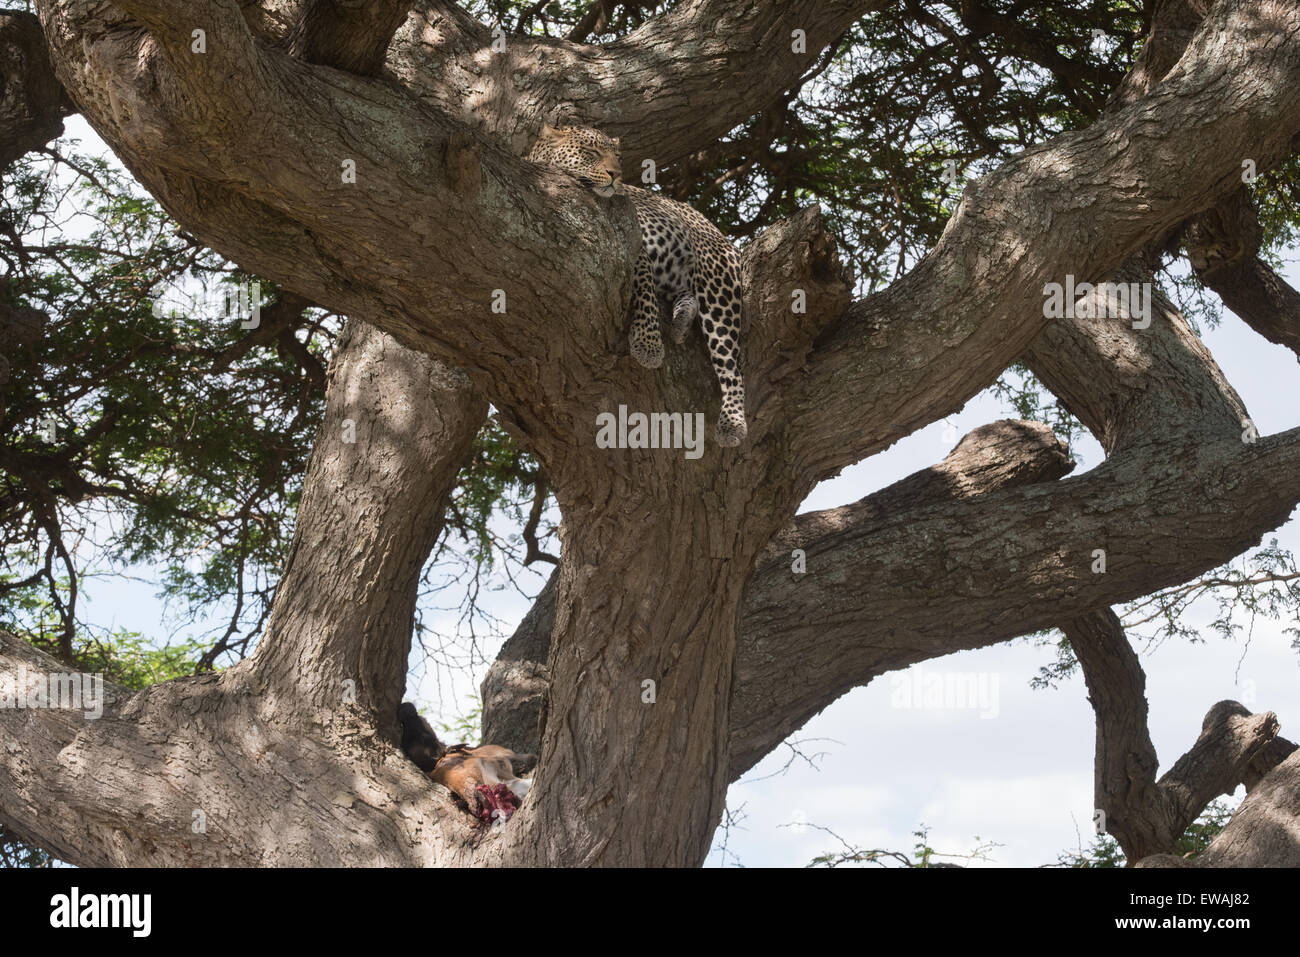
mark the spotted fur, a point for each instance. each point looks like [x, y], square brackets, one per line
[684, 262]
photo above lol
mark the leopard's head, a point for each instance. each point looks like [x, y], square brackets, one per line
[588, 155]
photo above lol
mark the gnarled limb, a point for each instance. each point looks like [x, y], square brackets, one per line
[1223, 247]
[921, 570]
[397, 251]
[32, 101]
[1148, 816]
[1265, 830]
[1233, 746]
[643, 88]
[1137, 812]
[1036, 219]
[203, 772]
[299, 719]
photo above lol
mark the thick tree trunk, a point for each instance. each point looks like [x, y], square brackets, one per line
[640, 670]
[398, 426]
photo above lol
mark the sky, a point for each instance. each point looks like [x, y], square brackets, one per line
[1016, 770]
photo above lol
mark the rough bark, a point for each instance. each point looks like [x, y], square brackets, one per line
[997, 563]
[644, 88]
[1000, 455]
[316, 705]
[347, 34]
[398, 425]
[267, 785]
[1223, 248]
[32, 101]
[1234, 747]
[887, 588]
[1026, 225]
[1265, 830]
[1144, 815]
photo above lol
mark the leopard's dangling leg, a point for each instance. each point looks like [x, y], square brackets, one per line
[684, 312]
[720, 304]
[644, 339]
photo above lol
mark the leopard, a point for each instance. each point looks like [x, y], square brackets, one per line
[685, 263]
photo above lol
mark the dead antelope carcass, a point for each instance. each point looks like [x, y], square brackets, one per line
[484, 778]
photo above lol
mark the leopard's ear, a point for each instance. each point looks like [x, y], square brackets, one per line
[548, 131]
[617, 144]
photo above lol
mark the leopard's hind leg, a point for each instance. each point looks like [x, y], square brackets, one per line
[645, 341]
[720, 301]
[685, 311]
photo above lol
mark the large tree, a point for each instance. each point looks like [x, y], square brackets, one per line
[366, 158]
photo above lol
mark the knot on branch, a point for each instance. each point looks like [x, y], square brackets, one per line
[347, 35]
[1225, 237]
[1018, 451]
[795, 286]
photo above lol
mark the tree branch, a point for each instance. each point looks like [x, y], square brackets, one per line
[210, 771]
[398, 426]
[32, 101]
[640, 88]
[1131, 176]
[1137, 811]
[455, 253]
[1265, 830]
[1000, 455]
[1223, 248]
[1148, 816]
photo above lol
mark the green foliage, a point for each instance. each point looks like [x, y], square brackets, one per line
[497, 483]
[175, 440]
[1021, 392]
[923, 855]
[1277, 199]
[1262, 585]
[17, 852]
[560, 18]
[1104, 850]
[466, 728]
[915, 99]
